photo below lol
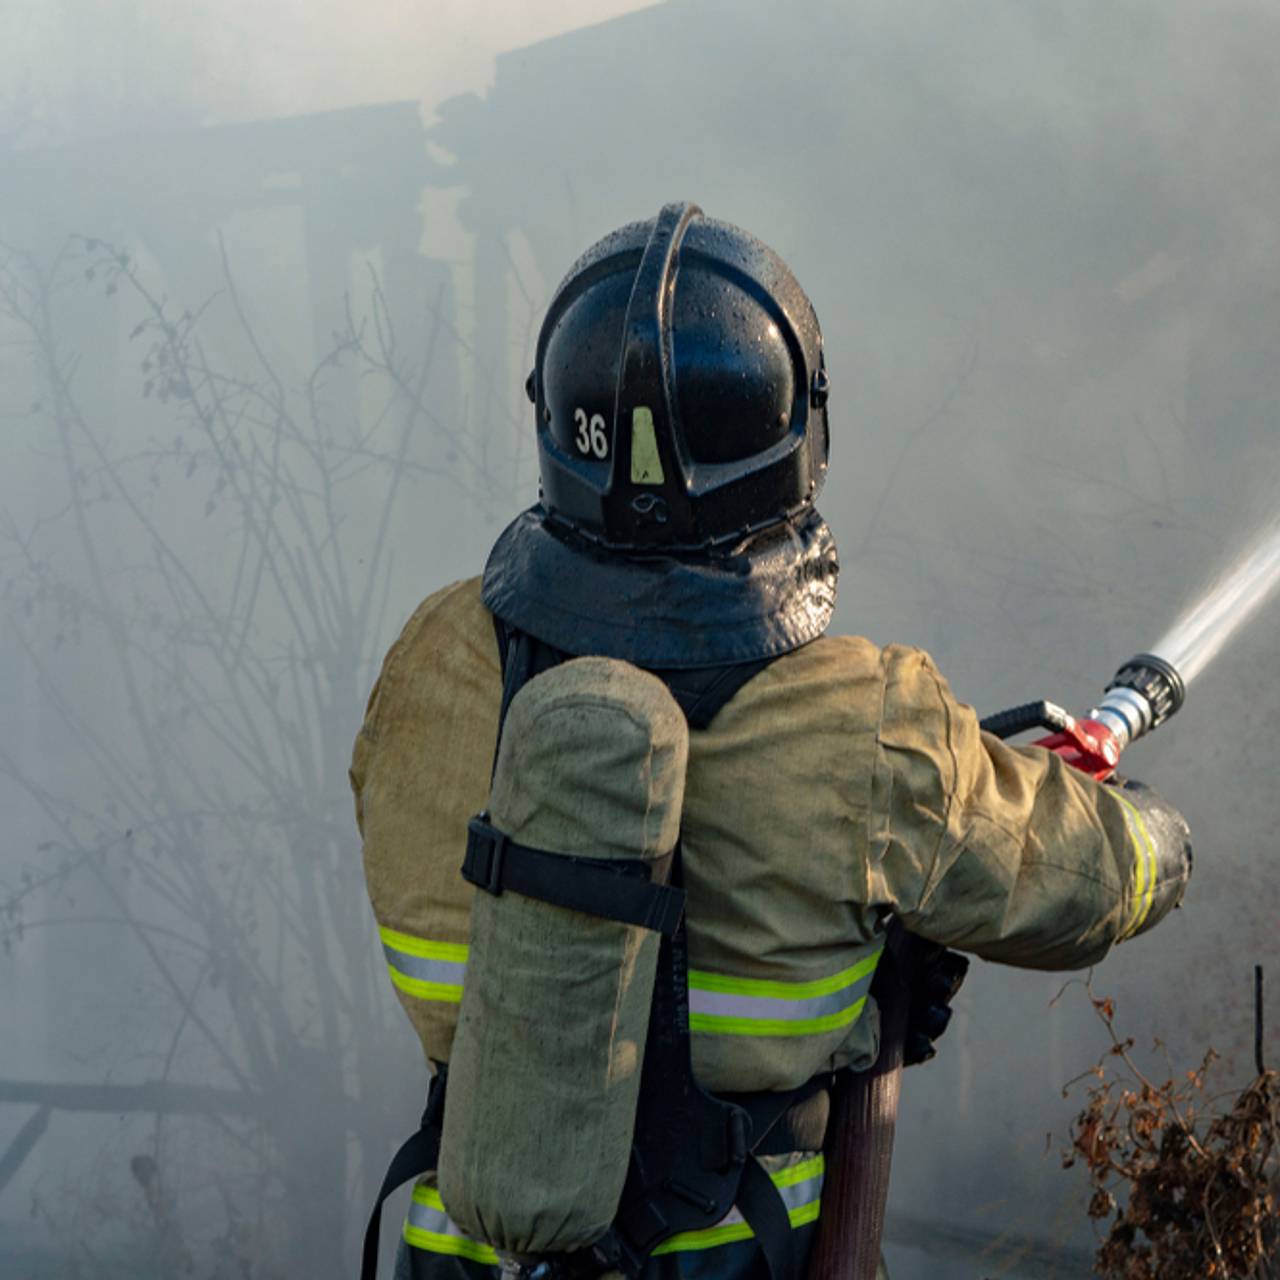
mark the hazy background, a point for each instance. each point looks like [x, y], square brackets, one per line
[268, 292]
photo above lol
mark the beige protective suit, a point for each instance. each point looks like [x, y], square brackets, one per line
[842, 783]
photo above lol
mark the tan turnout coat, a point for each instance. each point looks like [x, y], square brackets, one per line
[842, 783]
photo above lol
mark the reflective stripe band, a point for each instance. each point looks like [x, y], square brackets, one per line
[800, 1186]
[721, 1005]
[429, 1227]
[718, 1004]
[423, 968]
[1144, 872]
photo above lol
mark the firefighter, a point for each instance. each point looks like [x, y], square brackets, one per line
[827, 788]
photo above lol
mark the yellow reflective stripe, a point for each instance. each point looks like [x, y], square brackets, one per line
[711, 1237]
[1144, 876]
[445, 992]
[723, 1024]
[805, 1214]
[429, 1227]
[734, 1228]
[455, 952]
[706, 1238]
[455, 1246]
[802, 1172]
[704, 981]
[1154, 867]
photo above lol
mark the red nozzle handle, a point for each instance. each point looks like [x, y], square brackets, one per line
[1086, 745]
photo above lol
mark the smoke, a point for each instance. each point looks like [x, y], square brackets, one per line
[83, 70]
[1040, 241]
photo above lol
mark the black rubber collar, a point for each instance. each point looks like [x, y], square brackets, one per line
[766, 597]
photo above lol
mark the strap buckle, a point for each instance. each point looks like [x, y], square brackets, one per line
[486, 854]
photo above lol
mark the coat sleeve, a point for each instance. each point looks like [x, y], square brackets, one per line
[359, 769]
[1008, 852]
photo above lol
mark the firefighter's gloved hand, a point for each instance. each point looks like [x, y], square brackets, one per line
[933, 976]
[1162, 843]
[936, 979]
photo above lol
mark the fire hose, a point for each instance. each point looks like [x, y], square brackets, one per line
[1143, 695]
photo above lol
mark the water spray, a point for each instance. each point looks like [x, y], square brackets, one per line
[1150, 687]
[1202, 631]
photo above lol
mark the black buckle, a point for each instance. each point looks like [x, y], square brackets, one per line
[493, 881]
[665, 909]
[486, 854]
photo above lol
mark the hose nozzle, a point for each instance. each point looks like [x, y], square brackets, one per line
[1144, 693]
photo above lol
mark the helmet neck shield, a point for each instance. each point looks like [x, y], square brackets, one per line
[763, 599]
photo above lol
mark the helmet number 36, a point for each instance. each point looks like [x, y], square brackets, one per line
[591, 438]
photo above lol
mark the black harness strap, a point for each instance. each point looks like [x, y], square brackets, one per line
[761, 1206]
[699, 691]
[692, 1154]
[616, 889]
[417, 1154]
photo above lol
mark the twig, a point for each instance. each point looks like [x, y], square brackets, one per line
[1257, 1020]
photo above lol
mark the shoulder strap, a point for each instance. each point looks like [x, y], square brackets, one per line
[616, 889]
[418, 1154]
[700, 691]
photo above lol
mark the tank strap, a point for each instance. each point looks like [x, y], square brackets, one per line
[614, 889]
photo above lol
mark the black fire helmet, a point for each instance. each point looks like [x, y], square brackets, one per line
[680, 402]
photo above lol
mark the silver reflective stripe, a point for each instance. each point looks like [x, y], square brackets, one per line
[724, 1005]
[425, 968]
[429, 1227]
[720, 1004]
[799, 1195]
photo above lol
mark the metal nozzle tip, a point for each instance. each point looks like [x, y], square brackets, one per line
[1162, 667]
[1156, 680]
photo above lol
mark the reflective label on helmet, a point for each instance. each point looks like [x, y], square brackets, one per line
[646, 465]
